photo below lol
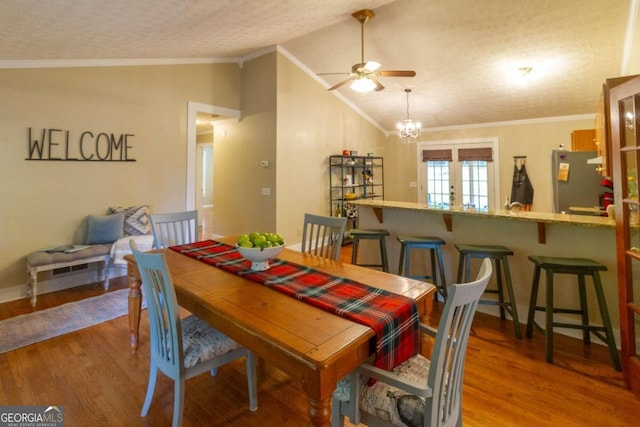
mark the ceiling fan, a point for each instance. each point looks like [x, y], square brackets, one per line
[363, 76]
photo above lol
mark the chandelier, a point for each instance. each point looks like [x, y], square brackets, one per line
[408, 130]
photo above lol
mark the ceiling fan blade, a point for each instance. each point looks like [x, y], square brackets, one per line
[342, 83]
[379, 85]
[334, 74]
[396, 73]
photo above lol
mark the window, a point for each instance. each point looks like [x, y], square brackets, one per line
[459, 173]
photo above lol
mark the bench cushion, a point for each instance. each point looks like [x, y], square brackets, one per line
[45, 258]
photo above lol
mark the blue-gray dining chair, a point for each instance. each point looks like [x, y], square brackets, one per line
[322, 235]
[182, 348]
[170, 229]
[418, 392]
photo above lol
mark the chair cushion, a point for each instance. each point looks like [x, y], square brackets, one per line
[104, 229]
[390, 403]
[136, 219]
[202, 342]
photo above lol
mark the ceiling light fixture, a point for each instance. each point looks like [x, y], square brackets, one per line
[525, 70]
[408, 130]
[363, 85]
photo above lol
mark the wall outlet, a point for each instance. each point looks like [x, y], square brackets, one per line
[265, 163]
[266, 191]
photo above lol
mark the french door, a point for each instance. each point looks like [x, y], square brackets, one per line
[625, 133]
[459, 173]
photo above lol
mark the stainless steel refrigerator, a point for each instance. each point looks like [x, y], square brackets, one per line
[574, 182]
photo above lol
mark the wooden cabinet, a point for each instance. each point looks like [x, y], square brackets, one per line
[603, 125]
[583, 140]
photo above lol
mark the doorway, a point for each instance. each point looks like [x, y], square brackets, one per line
[195, 165]
[204, 173]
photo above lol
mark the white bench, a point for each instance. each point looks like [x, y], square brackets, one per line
[45, 261]
[107, 255]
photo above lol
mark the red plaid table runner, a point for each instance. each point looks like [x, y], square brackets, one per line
[393, 317]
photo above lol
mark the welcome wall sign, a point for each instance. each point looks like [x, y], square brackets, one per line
[61, 145]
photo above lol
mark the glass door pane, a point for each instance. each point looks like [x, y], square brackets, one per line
[438, 184]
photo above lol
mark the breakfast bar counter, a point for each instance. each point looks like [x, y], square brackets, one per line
[525, 233]
[540, 218]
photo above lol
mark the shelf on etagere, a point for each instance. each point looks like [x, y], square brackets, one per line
[354, 178]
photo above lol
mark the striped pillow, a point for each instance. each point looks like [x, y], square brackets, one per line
[136, 219]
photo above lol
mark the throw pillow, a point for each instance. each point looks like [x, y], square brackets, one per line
[104, 229]
[136, 219]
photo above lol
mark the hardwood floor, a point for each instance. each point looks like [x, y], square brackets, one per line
[507, 383]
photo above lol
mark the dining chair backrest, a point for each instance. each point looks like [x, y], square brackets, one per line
[450, 349]
[323, 235]
[419, 392]
[170, 229]
[164, 321]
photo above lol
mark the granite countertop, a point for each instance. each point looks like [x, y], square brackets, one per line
[538, 217]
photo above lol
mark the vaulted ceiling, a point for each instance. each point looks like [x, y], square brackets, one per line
[466, 53]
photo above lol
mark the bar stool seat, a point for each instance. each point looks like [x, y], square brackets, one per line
[499, 256]
[580, 267]
[367, 234]
[407, 244]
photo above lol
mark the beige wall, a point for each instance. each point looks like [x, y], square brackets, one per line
[239, 206]
[534, 140]
[312, 124]
[46, 203]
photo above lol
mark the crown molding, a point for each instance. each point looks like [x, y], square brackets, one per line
[123, 62]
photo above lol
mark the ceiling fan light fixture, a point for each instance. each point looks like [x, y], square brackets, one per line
[408, 130]
[371, 66]
[363, 76]
[363, 85]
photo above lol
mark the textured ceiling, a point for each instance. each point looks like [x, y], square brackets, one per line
[463, 51]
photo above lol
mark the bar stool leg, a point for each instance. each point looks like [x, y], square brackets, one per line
[548, 328]
[354, 253]
[606, 321]
[434, 276]
[500, 289]
[383, 254]
[443, 281]
[533, 301]
[582, 293]
[512, 299]
[403, 260]
[461, 263]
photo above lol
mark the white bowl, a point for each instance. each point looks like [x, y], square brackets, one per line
[260, 257]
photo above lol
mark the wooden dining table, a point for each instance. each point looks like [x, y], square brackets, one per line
[314, 346]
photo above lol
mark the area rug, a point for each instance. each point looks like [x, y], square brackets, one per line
[26, 329]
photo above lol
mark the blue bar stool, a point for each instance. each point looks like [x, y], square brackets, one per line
[499, 256]
[580, 267]
[408, 243]
[361, 234]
